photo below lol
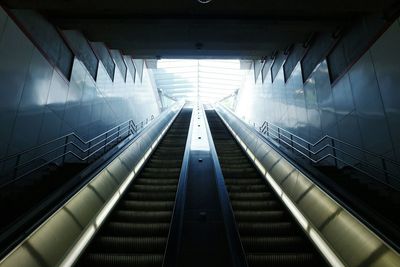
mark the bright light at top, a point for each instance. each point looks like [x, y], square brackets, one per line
[206, 80]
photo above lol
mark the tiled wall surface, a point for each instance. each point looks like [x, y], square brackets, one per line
[38, 104]
[362, 108]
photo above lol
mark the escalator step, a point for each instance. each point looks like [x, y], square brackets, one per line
[141, 216]
[132, 229]
[165, 196]
[121, 244]
[155, 181]
[274, 244]
[246, 188]
[251, 196]
[120, 260]
[282, 259]
[161, 170]
[146, 205]
[159, 174]
[266, 228]
[240, 174]
[154, 188]
[260, 216]
[244, 181]
[256, 205]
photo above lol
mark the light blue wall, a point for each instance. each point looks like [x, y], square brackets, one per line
[362, 108]
[38, 104]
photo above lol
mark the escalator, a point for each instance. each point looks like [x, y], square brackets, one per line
[269, 234]
[136, 231]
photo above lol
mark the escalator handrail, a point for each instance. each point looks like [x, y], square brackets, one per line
[175, 231]
[235, 245]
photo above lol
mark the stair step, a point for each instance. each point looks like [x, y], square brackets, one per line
[139, 229]
[141, 216]
[157, 181]
[282, 259]
[154, 188]
[120, 260]
[260, 216]
[146, 205]
[267, 228]
[251, 196]
[274, 244]
[246, 188]
[151, 196]
[120, 244]
[257, 205]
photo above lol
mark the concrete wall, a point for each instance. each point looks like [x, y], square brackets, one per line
[362, 108]
[38, 103]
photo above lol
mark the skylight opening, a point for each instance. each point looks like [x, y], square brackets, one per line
[203, 80]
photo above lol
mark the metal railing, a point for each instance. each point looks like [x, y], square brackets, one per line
[339, 153]
[66, 148]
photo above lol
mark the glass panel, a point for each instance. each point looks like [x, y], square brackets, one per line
[211, 80]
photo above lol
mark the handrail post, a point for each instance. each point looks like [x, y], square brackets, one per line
[267, 129]
[262, 126]
[129, 128]
[334, 152]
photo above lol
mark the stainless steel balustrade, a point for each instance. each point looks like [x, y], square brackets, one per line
[63, 236]
[340, 237]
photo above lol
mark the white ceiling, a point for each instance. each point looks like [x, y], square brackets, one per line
[208, 80]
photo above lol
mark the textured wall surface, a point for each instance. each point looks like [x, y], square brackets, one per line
[362, 108]
[37, 103]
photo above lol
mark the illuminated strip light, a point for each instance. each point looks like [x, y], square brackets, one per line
[79, 246]
[295, 211]
[148, 153]
[260, 166]
[126, 182]
[107, 208]
[251, 155]
[274, 185]
[139, 165]
[324, 248]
